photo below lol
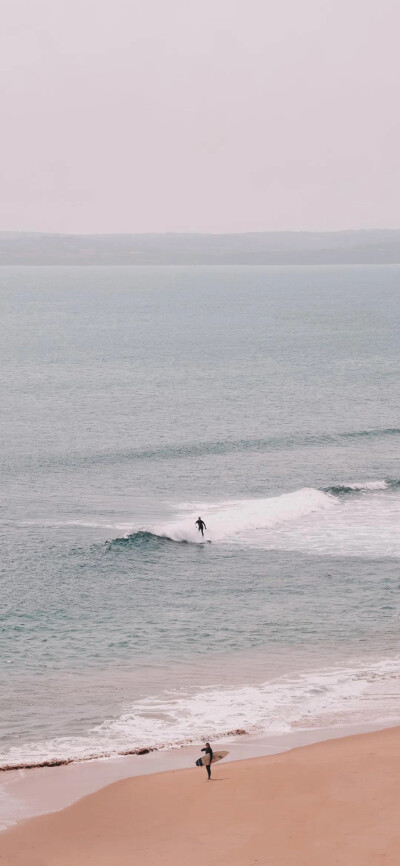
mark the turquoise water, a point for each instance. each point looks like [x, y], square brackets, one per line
[135, 399]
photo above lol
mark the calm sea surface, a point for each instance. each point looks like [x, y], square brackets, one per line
[133, 400]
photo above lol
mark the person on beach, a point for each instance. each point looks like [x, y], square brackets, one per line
[208, 758]
[201, 526]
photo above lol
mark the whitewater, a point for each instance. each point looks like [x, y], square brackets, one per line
[298, 701]
[313, 520]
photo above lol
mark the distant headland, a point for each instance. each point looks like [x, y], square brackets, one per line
[378, 247]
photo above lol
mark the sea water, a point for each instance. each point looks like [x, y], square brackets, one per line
[133, 400]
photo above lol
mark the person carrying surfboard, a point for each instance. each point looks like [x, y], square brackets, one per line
[201, 526]
[209, 754]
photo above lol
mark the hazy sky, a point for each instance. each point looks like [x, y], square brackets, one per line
[199, 115]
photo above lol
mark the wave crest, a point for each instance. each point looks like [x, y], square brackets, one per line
[358, 487]
[229, 519]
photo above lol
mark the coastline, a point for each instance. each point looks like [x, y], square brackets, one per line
[332, 801]
[34, 792]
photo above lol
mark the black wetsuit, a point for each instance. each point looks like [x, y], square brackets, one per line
[208, 750]
[201, 525]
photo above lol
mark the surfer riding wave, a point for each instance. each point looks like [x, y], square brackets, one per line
[201, 526]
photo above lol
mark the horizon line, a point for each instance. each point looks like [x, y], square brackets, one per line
[198, 233]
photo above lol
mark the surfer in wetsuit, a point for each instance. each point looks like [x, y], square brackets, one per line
[201, 526]
[208, 757]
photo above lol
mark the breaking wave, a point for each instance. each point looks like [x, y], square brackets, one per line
[362, 487]
[139, 539]
[232, 519]
[357, 487]
[310, 700]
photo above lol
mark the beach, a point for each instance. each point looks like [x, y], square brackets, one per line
[335, 802]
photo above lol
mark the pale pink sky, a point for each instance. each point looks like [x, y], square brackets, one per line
[199, 115]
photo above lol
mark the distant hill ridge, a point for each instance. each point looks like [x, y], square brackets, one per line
[252, 248]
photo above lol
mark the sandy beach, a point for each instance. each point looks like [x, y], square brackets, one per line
[335, 802]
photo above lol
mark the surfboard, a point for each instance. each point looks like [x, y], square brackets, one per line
[217, 756]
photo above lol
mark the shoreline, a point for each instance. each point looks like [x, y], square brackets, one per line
[32, 792]
[335, 801]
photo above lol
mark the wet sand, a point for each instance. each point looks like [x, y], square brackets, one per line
[334, 802]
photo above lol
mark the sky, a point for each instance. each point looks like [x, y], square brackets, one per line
[199, 115]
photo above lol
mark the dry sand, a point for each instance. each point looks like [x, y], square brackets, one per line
[336, 802]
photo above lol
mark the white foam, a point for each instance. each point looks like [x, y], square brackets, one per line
[307, 520]
[59, 524]
[367, 485]
[365, 526]
[228, 519]
[363, 693]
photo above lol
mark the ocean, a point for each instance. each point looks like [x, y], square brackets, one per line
[134, 399]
